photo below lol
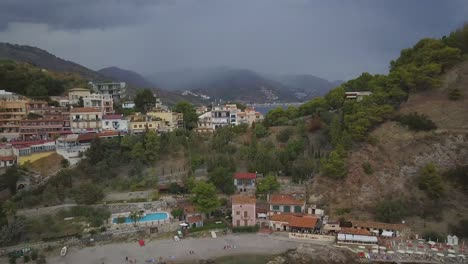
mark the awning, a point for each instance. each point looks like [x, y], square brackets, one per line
[387, 233]
[262, 215]
[357, 238]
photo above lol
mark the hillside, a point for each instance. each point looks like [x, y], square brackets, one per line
[45, 60]
[397, 156]
[306, 86]
[130, 77]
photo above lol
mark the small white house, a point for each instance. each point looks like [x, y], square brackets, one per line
[114, 123]
[128, 105]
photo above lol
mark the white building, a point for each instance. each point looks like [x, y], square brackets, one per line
[205, 123]
[128, 105]
[115, 89]
[114, 123]
[358, 96]
[104, 102]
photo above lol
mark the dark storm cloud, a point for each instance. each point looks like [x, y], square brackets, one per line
[75, 14]
[335, 39]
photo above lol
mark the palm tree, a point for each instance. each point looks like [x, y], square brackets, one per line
[136, 216]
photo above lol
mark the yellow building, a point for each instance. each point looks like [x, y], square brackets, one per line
[171, 120]
[74, 94]
[85, 119]
[141, 123]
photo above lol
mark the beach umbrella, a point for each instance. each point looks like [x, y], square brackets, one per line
[375, 251]
[375, 247]
[141, 242]
[183, 224]
[431, 243]
[451, 256]
[419, 252]
[434, 249]
[401, 251]
[451, 251]
[381, 247]
[440, 254]
[390, 252]
[409, 252]
[362, 247]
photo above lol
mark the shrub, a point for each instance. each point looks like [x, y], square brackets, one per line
[416, 122]
[103, 229]
[12, 259]
[461, 230]
[455, 94]
[390, 210]
[177, 212]
[34, 254]
[120, 219]
[88, 193]
[260, 131]
[342, 211]
[431, 182]
[367, 167]
[26, 258]
[41, 259]
[246, 229]
[284, 135]
[434, 236]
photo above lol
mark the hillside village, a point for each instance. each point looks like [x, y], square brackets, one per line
[377, 167]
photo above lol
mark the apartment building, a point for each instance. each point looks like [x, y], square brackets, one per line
[104, 102]
[171, 120]
[117, 90]
[140, 123]
[249, 116]
[114, 123]
[85, 119]
[74, 94]
[243, 210]
[205, 123]
[12, 111]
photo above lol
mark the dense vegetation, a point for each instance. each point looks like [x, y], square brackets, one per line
[33, 82]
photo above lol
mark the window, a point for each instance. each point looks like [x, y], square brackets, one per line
[245, 223]
[237, 212]
[134, 126]
[287, 209]
[297, 209]
[245, 213]
[140, 126]
[107, 123]
[276, 207]
[238, 223]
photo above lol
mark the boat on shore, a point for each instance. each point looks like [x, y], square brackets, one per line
[63, 252]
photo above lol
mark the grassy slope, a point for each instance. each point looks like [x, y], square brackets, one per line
[398, 154]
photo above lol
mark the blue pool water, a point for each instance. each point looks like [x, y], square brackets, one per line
[146, 218]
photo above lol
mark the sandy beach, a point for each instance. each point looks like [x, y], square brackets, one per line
[176, 252]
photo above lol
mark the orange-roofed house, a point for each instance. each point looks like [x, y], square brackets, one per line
[192, 217]
[286, 203]
[245, 181]
[293, 223]
[243, 210]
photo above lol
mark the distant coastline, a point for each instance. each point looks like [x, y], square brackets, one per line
[266, 107]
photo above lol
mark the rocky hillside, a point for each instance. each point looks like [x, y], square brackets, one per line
[397, 155]
[130, 77]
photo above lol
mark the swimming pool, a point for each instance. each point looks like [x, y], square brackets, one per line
[147, 218]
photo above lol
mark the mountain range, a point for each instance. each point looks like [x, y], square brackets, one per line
[195, 85]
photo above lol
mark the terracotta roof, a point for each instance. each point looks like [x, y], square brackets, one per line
[355, 231]
[245, 175]
[304, 222]
[84, 110]
[7, 158]
[261, 207]
[194, 219]
[112, 117]
[285, 199]
[378, 225]
[243, 199]
[281, 218]
[189, 209]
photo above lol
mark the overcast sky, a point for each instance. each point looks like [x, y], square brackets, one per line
[329, 38]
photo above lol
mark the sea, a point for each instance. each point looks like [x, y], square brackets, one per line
[264, 108]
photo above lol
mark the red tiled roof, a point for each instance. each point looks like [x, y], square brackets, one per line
[84, 110]
[243, 199]
[112, 117]
[378, 225]
[304, 222]
[355, 231]
[245, 175]
[194, 219]
[189, 209]
[281, 218]
[7, 158]
[285, 199]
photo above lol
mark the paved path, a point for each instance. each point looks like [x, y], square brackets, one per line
[204, 248]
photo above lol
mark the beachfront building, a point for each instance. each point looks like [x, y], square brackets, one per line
[75, 94]
[331, 228]
[192, 217]
[116, 90]
[41, 129]
[245, 181]
[299, 223]
[104, 102]
[356, 236]
[243, 210]
[114, 123]
[381, 229]
[358, 96]
[286, 203]
[85, 119]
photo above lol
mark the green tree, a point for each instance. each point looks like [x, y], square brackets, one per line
[10, 178]
[268, 185]
[455, 94]
[205, 198]
[189, 112]
[335, 98]
[80, 102]
[302, 169]
[177, 212]
[391, 210]
[334, 166]
[431, 182]
[260, 131]
[9, 208]
[151, 142]
[138, 152]
[284, 135]
[221, 177]
[144, 100]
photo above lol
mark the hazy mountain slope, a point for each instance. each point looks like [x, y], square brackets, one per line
[305, 86]
[44, 59]
[130, 77]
